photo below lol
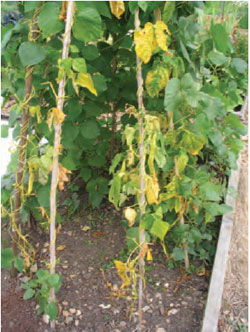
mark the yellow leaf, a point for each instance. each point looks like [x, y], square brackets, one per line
[35, 110]
[145, 42]
[151, 157]
[130, 215]
[63, 12]
[152, 189]
[149, 255]
[122, 272]
[161, 37]
[85, 228]
[61, 247]
[131, 157]
[117, 8]
[85, 80]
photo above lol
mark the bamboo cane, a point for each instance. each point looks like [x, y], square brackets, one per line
[142, 173]
[57, 139]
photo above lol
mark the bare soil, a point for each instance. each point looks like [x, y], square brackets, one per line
[171, 300]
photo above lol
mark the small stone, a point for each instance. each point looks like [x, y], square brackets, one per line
[77, 322]
[69, 233]
[46, 244]
[115, 287]
[184, 303]
[166, 285]
[44, 250]
[68, 320]
[37, 306]
[65, 313]
[160, 329]
[158, 296]
[122, 324]
[65, 303]
[146, 308]
[72, 310]
[65, 266]
[24, 279]
[171, 305]
[173, 312]
[72, 275]
[158, 283]
[46, 319]
[78, 312]
[11, 324]
[168, 321]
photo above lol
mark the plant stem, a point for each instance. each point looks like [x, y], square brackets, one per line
[57, 139]
[22, 152]
[142, 173]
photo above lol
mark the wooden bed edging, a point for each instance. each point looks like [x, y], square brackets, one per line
[216, 286]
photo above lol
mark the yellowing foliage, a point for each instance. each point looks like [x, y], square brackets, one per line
[85, 80]
[55, 116]
[117, 8]
[156, 80]
[149, 38]
[122, 271]
[152, 189]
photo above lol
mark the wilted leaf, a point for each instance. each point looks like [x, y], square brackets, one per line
[85, 228]
[62, 176]
[61, 247]
[192, 142]
[117, 8]
[122, 271]
[130, 215]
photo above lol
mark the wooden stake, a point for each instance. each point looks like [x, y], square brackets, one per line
[57, 140]
[142, 173]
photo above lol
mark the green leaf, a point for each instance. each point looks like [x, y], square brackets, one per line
[90, 129]
[132, 6]
[48, 19]
[31, 53]
[99, 83]
[43, 195]
[195, 235]
[73, 109]
[69, 131]
[51, 310]
[115, 162]
[87, 25]
[114, 192]
[234, 122]
[54, 280]
[102, 8]
[132, 237]
[4, 131]
[147, 221]
[239, 64]
[92, 109]
[85, 173]
[69, 163]
[90, 52]
[159, 228]
[168, 11]
[18, 263]
[42, 274]
[217, 58]
[7, 257]
[143, 5]
[210, 191]
[173, 97]
[30, 5]
[28, 294]
[95, 199]
[178, 254]
[215, 209]
[182, 162]
[79, 65]
[97, 161]
[220, 38]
